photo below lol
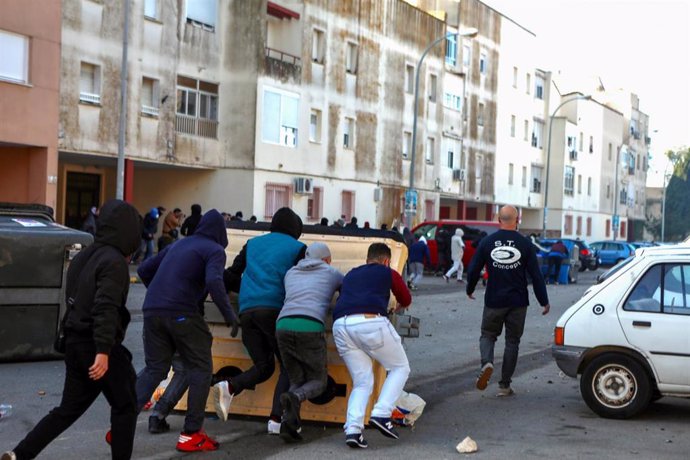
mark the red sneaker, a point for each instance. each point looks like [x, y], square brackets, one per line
[196, 442]
[109, 437]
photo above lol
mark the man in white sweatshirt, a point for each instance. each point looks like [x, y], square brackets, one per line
[309, 289]
[457, 250]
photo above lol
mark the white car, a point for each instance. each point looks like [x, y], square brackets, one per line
[629, 336]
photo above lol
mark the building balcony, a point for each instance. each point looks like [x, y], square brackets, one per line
[196, 126]
[148, 110]
[282, 65]
[90, 98]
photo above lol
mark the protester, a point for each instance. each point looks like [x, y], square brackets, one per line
[418, 255]
[509, 257]
[352, 224]
[367, 226]
[443, 250]
[177, 281]
[362, 332]
[192, 221]
[238, 216]
[170, 232]
[95, 325]
[324, 222]
[309, 289]
[89, 225]
[252, 219]
[149, 232]
[257, 273]
[457, 250]
[556, 254]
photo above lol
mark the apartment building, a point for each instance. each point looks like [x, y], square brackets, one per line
[29, 81]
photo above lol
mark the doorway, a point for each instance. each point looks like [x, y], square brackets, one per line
[82, 192]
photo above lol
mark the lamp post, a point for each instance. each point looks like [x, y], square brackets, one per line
[663, 204]
[468, 33]
[122, 126]
[548, 157]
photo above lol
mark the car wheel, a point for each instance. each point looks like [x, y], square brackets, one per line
[595, 266]
[616, 386]
[583, 267]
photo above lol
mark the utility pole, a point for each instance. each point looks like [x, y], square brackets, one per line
[120, 179]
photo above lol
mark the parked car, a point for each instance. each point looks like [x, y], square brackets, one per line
[473, 230]
[589, 258]
[627, 337]
[643, 244]
[613, 252]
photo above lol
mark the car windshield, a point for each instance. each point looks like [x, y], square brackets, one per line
[613, 270]
[427, 231]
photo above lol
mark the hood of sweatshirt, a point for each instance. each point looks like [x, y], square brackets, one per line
[119, 225]
[196, 210]
[459, 232]
[212, 226]
[286, 221]
[309, 264]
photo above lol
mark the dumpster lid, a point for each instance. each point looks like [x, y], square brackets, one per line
[40, 211]
[320, 230]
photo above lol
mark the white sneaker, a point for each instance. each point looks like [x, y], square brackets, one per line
[9, 456]
[222, 399]
[273, 427]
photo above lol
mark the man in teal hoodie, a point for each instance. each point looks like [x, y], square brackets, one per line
[257, 273]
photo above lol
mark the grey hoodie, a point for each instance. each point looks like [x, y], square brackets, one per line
[309, 288]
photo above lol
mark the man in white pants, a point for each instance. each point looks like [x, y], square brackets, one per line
[457, 250]
[362, 332]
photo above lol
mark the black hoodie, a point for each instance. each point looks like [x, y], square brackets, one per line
[192, 221]
[99, 279]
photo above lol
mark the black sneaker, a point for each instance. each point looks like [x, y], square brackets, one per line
[291, 407]
[289, 434]
[356, 441]
[385, 426]
[158, 425]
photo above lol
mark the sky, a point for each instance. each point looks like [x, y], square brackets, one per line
[640, 45]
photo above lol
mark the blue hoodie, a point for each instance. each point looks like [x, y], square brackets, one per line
[178, 278]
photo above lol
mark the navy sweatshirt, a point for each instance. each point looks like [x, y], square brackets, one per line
[178, 278]
[508, 257]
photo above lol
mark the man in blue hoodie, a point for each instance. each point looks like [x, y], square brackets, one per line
[177, 280]
[257, 273]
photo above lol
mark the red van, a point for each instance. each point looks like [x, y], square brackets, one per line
[473, 231]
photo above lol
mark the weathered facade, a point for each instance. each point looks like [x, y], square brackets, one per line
[29, 80]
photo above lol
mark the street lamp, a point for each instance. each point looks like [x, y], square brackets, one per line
[548, 157]
[472, 32]
[663, 203]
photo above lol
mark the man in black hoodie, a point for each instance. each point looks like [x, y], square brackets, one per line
[95, 326]
[192, 221]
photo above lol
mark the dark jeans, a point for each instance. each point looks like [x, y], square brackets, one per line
[189, 336]
[174, 391]
[493, 320]
[259, 338]
[304, 358]
[117, 385]
[554, 261]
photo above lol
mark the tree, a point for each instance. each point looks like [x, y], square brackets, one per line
[677, 221]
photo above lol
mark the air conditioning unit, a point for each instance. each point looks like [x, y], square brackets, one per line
[458, 174]
[304, 185]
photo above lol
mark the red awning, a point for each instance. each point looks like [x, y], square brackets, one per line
[281, 12]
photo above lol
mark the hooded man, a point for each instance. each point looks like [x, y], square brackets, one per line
[192, 221]
[149, 232]
[95, 324]
[90, 222]
[257, 273]
[457, 250]
[177, 280]
[418, 255]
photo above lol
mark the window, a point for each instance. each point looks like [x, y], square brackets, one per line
[349, 133]
[277, 196]
[407, 144]
[610, 151]
[318, 46]
[315, 126]
[480, 114]
[409, 78]
[589, 186]
[538, 87]
[430, 148]
[581, 142]
[14, 57]
[452, 101]
[536, 179]
[315, 204]
[638, 162]
[432, 87]
[483, 60]
[515, 77]
[623, 196]
[608, 228]
[572, 147]
[676, 294]
[347, 204]
[466, 55]
[524, 176]
[589, 226]
[151, 9]
[512, 126]
[90, 83]
[579, 184]
[511, 168]
[591, 144]
[608, 191]
[351, 58]
[451, 49]
[568, 225]
[537, 134]
[202, 13]
[528, 82]
[450, 159]
[646, 296]
[569, 185]
[279, 118]
[578, 226]
[526, 137]
[149, 96]
[429, 208]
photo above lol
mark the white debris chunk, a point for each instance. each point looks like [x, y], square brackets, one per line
[467, 446]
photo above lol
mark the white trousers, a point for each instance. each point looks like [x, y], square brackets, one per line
[359, 340]
[457, 266]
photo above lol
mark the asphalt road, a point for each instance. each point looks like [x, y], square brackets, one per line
[545, 419]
